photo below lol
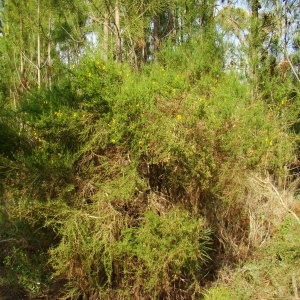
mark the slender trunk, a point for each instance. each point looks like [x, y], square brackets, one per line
[118, 32]
[21, 50]
[139, 51]
[285, 26]
[142, 44]
[105, 35]
[134, 57]
[156, 38]
[49, 59]
[171, 22]
[181, 23]
[38, 47]
[254, 49]
[207, 14]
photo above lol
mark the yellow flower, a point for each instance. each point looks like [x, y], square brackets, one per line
[179, 117]
[269, 142]
[89, 74]
[58, 114]
[113, 141]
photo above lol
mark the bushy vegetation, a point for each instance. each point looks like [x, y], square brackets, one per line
[133, 182]
[155, 180]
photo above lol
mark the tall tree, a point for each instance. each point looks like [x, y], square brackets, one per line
[28, 44]
[254, 46]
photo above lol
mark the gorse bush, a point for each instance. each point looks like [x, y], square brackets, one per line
[157, 255]
[164, 253]
[135, 183]
[85, 253]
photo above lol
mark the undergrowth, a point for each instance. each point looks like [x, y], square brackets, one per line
[271, 273]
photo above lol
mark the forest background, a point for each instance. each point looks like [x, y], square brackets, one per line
[149, 149]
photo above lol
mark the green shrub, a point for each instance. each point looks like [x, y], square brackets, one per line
[120, 169]
[25, 271]
[85, 253]
[218, 293]
[165, 252]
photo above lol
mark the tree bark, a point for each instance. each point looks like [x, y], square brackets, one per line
[254, 48]
[49, 59]
[118, 32]
[105, 35]
[38, 46]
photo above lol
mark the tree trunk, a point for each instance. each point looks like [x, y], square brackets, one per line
[49, 59]
[156, 37]
[254, 48]
[38, 47]
[21, 50]
[105, 35]
[118, 32]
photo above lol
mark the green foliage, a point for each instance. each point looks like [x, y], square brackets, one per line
[85, 253]
[287, 241]
[164, 250]
[96, 84]
[28, 269]
[115, 176]
[157, 254]
[202, 55]
[25, 238]
[218, 293]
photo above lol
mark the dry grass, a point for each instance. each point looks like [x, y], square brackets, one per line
[268, 253]
[249, 215]
[267, 207]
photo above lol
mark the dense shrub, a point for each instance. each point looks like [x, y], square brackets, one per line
[135, 182]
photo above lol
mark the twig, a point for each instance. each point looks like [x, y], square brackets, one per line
[279, 197]
[9, 240]
[295, 287]
[283, 203]
[292, 67]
